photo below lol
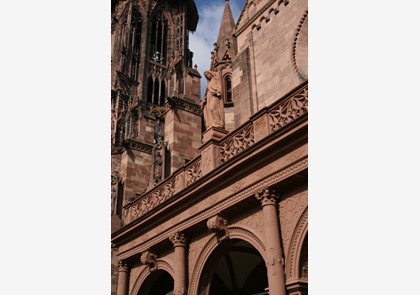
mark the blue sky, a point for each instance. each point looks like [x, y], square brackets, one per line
[201, 41]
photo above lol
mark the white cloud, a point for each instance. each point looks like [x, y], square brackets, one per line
[201, 41]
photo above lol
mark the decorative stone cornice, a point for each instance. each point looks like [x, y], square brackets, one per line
[255, 16]
[215, 208]
[149, 258]
[178, 239]
[138, 145]
[267, 196]
[176, 102]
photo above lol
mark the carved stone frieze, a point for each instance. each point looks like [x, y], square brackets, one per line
[149, 258]
[279, 116]
[254, 222]
[152, 199]
[215, 208]
[237, 143]
[193, 210]
[265, 171]
[296, 154]
[193, 173]
[237, 186]
[289, 110]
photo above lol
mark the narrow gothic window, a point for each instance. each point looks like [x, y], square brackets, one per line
[228, 89]
[135, 36]
[159, 36]
[120, 197]
[130, 45]
[156, 92]
[162, 93]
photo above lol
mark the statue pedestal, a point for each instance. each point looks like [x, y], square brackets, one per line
[213, 134]
[210, 152]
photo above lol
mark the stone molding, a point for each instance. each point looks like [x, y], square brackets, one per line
[145, 272]
[280, 114]
[138, 145]
[248, 192]
[182, 104]
[258, 14]
[293, 254]
[295, 44]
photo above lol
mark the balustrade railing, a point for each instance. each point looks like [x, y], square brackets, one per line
[267, 121]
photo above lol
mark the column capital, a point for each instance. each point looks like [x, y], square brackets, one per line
[267, 196]
[122, 265]
[178, 239]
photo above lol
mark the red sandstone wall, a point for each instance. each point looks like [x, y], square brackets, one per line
[264, 69]
[183, 135]
[135, 172]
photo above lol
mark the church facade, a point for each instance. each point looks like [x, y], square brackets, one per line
[209, 192]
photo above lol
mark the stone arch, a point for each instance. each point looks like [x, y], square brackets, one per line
[295, 248]
[160, 265]
[235, 232]
[300, 48]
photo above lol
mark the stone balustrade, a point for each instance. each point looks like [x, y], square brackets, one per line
[268, 120]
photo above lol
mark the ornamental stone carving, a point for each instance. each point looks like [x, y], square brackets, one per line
[218, 225]
[149, 258]
[178, 239]
[122, 266]
[212, 103]
[267, 196]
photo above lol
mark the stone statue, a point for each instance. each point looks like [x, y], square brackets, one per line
[212, 103]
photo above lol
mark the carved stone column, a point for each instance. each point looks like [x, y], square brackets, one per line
[275, 269]
[180, 268]
[122, 288]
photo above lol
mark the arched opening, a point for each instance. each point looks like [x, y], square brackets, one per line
[159, 37]
[228, 89]
[158, 282]
[235, 268]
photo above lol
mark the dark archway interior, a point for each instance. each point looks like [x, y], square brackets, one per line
[158, 283]
[303, 261]
[240, 270]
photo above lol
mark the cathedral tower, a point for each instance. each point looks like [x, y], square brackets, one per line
[224, 52]
[155, 93]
